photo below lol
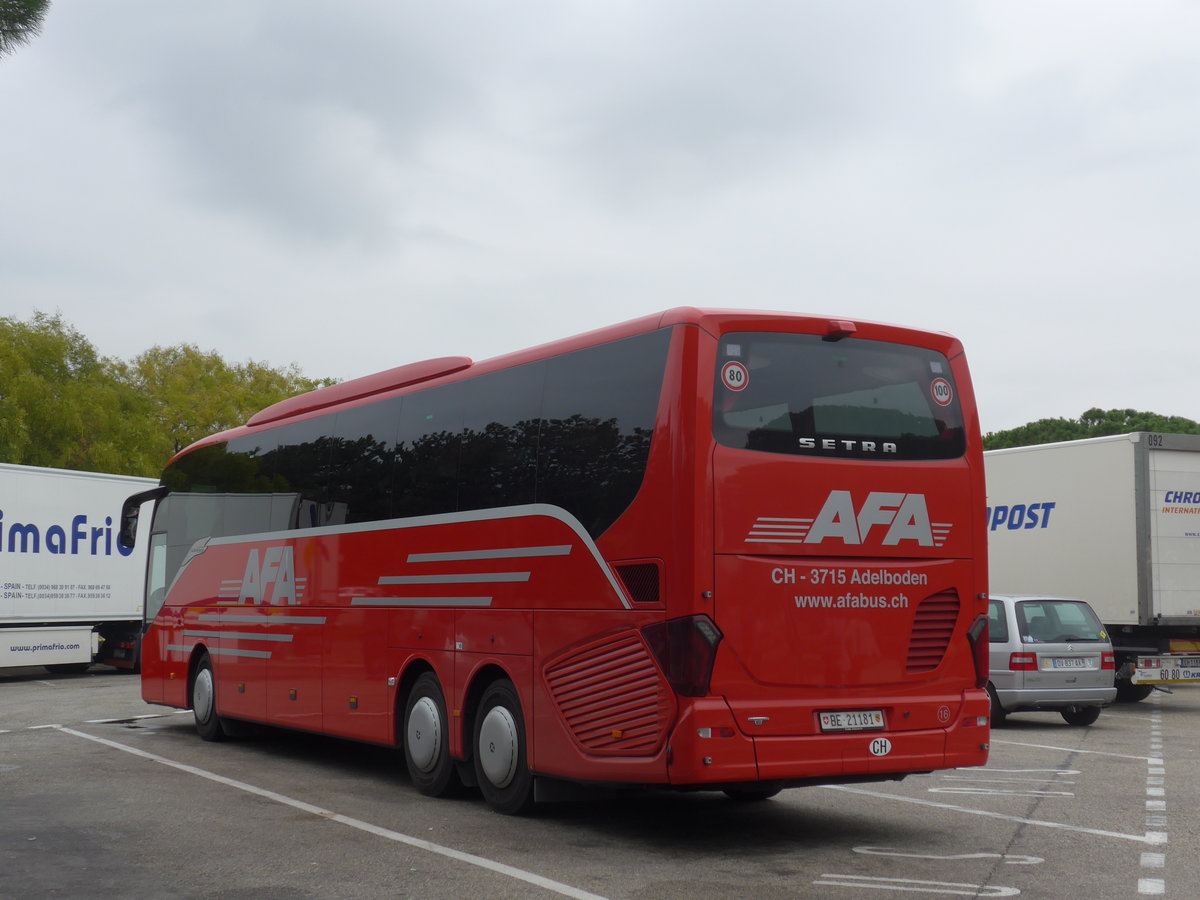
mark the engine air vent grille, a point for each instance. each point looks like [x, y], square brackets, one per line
[933, 627]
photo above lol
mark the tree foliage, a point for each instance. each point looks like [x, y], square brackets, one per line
[64, 406]
[20, 22]
[1094, 422]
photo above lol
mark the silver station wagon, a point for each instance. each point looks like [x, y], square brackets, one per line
[1048, 653]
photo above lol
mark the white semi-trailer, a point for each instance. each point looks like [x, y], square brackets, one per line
[70, 594]
[1114, 521]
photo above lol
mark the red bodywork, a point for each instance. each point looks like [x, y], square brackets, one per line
[812, 627]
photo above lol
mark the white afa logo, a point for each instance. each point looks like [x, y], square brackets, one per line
[272, 582]
[899, 517]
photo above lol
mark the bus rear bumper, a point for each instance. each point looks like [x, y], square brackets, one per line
[708, 748]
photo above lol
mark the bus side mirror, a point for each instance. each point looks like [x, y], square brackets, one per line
[130, 509]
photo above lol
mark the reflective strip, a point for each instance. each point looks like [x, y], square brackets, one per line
[468, 578]
[239, 636]
[421, 601]
[504, 553]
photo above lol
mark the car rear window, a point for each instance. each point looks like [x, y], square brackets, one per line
[1057, 621]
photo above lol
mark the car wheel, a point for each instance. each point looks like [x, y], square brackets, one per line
[426, 739]
[501, 765]
[1081, 715]
[998, 713]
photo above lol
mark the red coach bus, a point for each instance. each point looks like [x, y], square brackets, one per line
[703, 549]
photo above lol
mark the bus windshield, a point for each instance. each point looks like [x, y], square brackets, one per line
[800, 394]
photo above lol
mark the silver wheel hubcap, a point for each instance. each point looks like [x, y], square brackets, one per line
[202, 696]
[498, 746]
[424, 734]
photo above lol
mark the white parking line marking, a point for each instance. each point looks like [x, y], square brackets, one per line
[1152, 886]
[1075, 750]
[1151, 837]
[557, 887]
[916, 885]
[1013, 859]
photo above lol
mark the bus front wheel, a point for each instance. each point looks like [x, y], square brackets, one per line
[204, 701]
[427, 739]
[501, 762]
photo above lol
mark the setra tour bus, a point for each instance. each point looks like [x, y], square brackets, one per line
[723, 550]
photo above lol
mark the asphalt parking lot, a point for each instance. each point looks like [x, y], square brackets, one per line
[103, 794]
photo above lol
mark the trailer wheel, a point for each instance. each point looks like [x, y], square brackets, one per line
[426, 739]
[1081, 715]
[1128, 692]
[204, 701]
[501, 763]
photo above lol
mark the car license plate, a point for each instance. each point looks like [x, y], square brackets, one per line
[1067, 662]
[852, 720]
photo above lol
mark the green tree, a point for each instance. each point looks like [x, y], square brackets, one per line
[1094, 422]
[20, 22]
[192, 393]
[64, 406]
[59, 403]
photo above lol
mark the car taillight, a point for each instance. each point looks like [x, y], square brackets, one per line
[1023, 662]
[686, 650]
[1108, 661]
[977, 634]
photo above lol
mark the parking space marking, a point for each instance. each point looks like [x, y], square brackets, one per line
[1012, 859]
[1150, 837]
[916, 885]
[1076, 750]
[481, 862]
[1156, 808]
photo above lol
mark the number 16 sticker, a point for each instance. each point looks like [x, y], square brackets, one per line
[735, 376]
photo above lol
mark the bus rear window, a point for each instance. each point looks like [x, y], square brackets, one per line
[851, 399]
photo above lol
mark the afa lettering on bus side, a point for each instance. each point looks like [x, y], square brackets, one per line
[892, 516]
[276, 577]
[1020, 515]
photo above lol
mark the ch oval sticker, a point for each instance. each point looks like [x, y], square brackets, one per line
[881, 747]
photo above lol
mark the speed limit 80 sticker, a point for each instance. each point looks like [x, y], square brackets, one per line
[735, 376]
[942, 392]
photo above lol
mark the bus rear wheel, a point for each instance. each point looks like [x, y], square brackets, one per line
[204, 701]
[426, 739]
[501, 761]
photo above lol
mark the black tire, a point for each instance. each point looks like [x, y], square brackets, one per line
[1081, 715]
[203, 699]
[426, 739]
[998, 713]
[501, 763]
[68, 668]
[1128, 692]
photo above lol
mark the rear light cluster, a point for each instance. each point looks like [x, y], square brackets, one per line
[1108, 661]
[685, 650]
[1023, 662]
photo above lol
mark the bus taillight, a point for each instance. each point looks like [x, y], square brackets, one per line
[685, 649]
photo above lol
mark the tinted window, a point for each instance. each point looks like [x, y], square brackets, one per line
[427, 450]
[799, 394]
[597, 420]
[573, 431]
[361, 462]
[498, 452]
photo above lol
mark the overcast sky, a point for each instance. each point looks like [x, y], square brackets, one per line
[354, 186]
